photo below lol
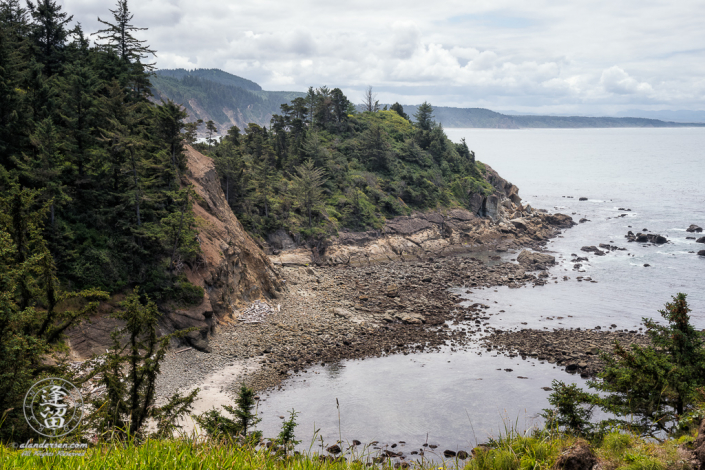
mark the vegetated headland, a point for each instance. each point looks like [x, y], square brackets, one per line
[135, 262]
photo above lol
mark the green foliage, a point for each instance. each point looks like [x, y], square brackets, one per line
[244, 419]
[377, 164]
[34, 310]
[306, 188]
[650, 390]
[287, 437]
[515, 451]
[571, 410]
[129, 374]
[77, 126]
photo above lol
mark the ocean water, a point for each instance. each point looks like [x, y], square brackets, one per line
[457, 399]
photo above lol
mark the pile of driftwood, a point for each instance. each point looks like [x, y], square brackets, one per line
[256, 312]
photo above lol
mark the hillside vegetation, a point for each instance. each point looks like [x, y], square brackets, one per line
[214, 95]
[322, 167]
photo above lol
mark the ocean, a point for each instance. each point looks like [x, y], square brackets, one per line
[458, 399]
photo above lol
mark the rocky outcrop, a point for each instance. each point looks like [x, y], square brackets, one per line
[577, 457]
[646, 238]
[694, 229]
[535, 261]
[232, 270]
[497, 221]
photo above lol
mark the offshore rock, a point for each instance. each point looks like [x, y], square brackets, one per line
[535, 261]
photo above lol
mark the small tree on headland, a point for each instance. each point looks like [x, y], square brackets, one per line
[369, 101]
[191, 131]
[650, 390]
[307, 188]
[211, 129]
[399, 109]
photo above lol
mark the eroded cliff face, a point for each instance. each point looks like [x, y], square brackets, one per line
[496, 221]
[233, 270]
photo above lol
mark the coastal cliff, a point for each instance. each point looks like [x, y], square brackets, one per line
[232, 270]
[497, 221]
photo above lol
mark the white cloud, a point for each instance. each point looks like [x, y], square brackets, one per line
[616, 80]
[504, 53]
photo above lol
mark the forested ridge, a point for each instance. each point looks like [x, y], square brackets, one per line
[322, 166]
[211, 94]
[80, 138]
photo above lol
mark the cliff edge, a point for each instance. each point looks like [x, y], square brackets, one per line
[232, 270]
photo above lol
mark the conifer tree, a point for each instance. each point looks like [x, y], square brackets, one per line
[307, 187]
[211, 129]
[49, 33]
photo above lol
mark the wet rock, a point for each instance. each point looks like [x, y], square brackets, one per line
[694, 229]
[583, 220]
[449, 453]
[583, 199]
[701, 253]
[334, 449]
[578, 457]
[535, 261]
[462, 455]
[700, 240]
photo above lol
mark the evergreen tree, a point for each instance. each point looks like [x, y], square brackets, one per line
[49, 33]
[130, 51]
[33, 308]
[399, 109]
[648, 389]
[129, 375]
[120, 36]
[169, 121]
[211, 129]
[307, 188]
[424, 117]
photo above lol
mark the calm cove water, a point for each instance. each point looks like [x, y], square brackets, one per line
[460, 398]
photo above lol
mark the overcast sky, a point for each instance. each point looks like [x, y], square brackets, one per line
[586, 57]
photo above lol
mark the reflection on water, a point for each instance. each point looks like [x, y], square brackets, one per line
[455, 398]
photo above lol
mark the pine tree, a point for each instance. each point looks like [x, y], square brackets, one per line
[130, 372]
[120, 37]
[649, 389]
[169, 121]
[31, 322]
[211, 129]
[307, 188]
[49, 33]
[130, 50]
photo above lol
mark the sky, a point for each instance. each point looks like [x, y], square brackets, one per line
[543, 56]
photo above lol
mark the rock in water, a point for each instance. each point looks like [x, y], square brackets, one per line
[334, 449]
[536, 261]
[694, 229]
[701, 252]
[700, 240]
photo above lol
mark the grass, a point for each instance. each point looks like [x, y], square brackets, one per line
[532, 450]
[191, 454]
